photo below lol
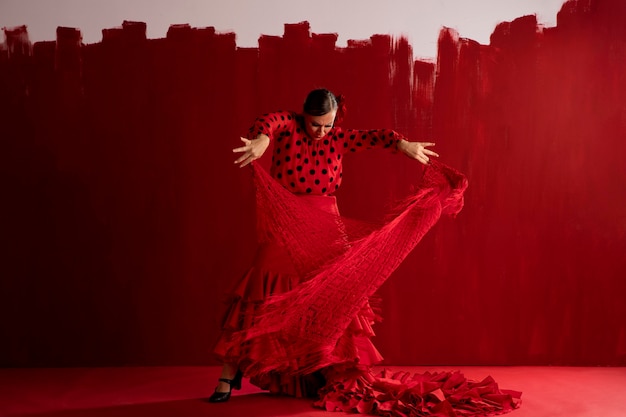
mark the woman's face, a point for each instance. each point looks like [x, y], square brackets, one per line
[318, 126]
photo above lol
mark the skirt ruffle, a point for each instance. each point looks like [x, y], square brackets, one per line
[440, 394]
[272, 273]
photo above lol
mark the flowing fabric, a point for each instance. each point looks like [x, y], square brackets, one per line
[402, 394]
[322, 325]
[273, 272]
[304, 326]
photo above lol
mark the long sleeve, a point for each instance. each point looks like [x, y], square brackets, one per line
[357, 140]
[275, 125]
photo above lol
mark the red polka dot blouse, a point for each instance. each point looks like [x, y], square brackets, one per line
[307, 166]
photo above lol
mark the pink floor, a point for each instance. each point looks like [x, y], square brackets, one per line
[177, 391]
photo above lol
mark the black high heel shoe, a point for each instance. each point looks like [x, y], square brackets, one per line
[222, 397]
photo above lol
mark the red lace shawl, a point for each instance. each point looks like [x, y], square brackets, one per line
[343, 262]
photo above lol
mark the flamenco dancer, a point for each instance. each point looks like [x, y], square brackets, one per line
[299, 321]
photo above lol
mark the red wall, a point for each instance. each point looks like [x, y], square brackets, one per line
[124, 220]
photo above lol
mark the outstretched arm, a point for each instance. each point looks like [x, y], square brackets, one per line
[417, 150]
[252, 149]
[357, 140]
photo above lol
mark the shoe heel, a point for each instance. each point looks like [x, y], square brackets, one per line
[236, 384]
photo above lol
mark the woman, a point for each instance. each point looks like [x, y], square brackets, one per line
[307, 160]
[299, 322]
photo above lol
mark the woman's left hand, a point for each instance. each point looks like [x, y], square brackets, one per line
[417, 150]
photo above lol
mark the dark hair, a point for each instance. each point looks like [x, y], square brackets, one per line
[320, 102]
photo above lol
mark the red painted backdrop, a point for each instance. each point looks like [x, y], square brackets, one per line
[124, 220]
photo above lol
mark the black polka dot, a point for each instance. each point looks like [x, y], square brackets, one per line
[308, 190]
[324, 171]
[287, 158]
[302, 179]
[290, 171]
[299, 168]
[312, 172]
[279, 175]
[317, 182]
[324, 190]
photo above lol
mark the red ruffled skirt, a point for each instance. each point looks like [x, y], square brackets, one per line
[273, 272]
[334, 363]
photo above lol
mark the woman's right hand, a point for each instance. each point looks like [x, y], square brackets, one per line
[252, 149]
